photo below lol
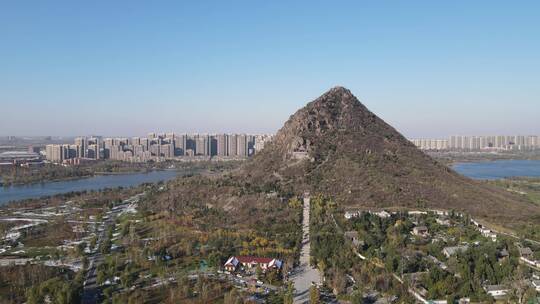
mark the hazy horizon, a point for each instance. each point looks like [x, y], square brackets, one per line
[144, 134]
[428, 69]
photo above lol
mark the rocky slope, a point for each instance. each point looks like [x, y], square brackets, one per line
[337, 147]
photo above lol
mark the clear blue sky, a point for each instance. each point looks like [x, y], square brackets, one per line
[130, 67]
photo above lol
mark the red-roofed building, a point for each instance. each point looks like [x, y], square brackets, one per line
[251, 262]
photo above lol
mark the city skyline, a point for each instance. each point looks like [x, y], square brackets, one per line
[446, 137]
[155, 147]
[216, 67]
[479, 142]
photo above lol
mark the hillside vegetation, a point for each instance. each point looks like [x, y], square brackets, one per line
[335, 146]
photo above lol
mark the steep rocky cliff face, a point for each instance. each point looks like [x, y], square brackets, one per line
[337, 147]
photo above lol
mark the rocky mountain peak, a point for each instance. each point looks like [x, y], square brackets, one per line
[337, 147]
[335, 115]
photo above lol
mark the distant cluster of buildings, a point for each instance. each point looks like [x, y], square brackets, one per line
[23, 158]
[157, 147]
[82, 149]
[478, 143]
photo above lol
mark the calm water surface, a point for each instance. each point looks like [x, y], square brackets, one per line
[98, 182]
[477, 170]
[499, 169]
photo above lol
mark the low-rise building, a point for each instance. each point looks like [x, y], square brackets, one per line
[496, 291]
[525, 252]
[488, 233]
[443, 222]
[248, 262]
[382, 214]
[351, 214]
[420, 231]
[449, 251]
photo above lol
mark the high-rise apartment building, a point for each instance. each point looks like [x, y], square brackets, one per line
[82, 142]
[155, 150]
[145, 143]
[202, 145]
[477, 143]
[232, 145]
[54, 153]
[242, 145]
[222, 144]
[158, 147]
[167, 150]
[180, 144]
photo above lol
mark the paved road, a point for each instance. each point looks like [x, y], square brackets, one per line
[91, 290]
[305, 275]
[20, 261]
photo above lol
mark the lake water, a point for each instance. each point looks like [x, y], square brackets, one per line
[99, 182]
[499, 169]
[477, 170]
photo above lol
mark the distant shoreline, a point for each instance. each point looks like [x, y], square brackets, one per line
[97, 183]
[71, 178]
[498, 169]
[46, 181]
[127, 172]
[451, 159]
[467, 161]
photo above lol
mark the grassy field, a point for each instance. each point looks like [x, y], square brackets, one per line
[527, 187]
[50, 234]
